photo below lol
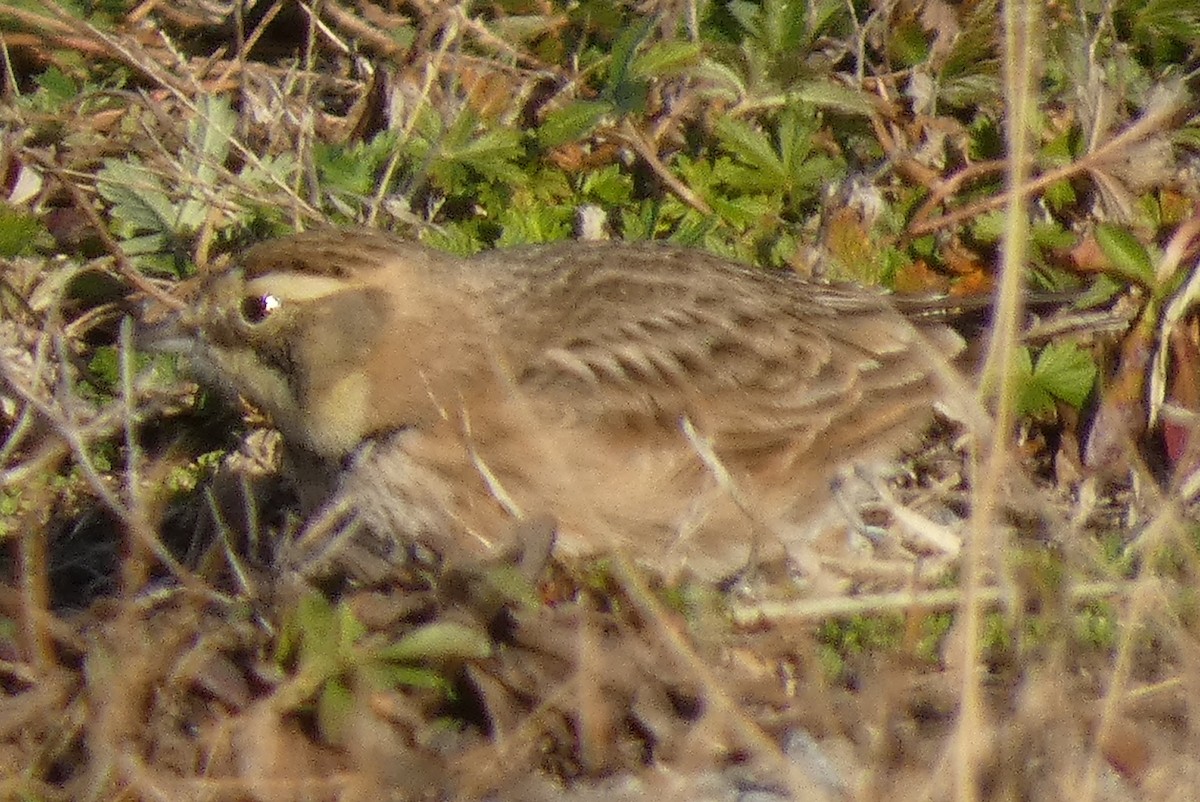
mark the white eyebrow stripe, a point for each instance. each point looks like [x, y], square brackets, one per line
[295, 287]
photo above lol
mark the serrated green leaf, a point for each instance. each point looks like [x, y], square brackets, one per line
[745, 211]
[209, 136]
[665, 59]
[572, 121]
[743, 179]
[1129, 258]
[490, 154]
[796, 129]
[748, 15]
[1063, 372]
[608, 185]
[268, 171]
[809, 176]
[620, 72]
[150, 253]
[438, 642]
[139, 200]
[726, 81]
[1032, 398]
[908, 43]
[209, 133]
[1188, 136]
[60, 89]
[524, 226]
[461, 238]
[988, 227]
[355, 169]
[752, 147]
[1066, 371]
[343, 170]
[829, 94]
[1060, 195]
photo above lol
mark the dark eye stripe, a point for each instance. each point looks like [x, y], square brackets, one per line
[257, 308]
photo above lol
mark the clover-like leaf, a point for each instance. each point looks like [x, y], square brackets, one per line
[1062, 371]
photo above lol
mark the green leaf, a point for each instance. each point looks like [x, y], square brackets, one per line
[752, 147]
[524, 27]
[278, 169]
[988, 227]
[665, 59]
[623, 87]
[748, 15]
[608, 185]
[355, 169]
[390, 675]
[1031, 398]
[571, 122]
[1060, 195]
[490, 154]
[727, 84]
[139, 200]
[524, 226]
[209, 136]
[287, 645]
[60, 90]
[105, 367]
[776, 26]
[150, 252]
[456, 237]
[1101, 291]
[335, 703]
[349, 630]
[438, 642]
[908, 43]
[1187, 136]
[1052, 235]
[316, 627]
[1066, 371]
[744, 211]
[1063, 372]
[21, 233]
[828, 94]
[1129, 258]
[825, 16]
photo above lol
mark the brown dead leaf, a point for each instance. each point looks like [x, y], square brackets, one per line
[975, 283]
[577, 157]
[1087, 257]
[1184, 393]
[918, 277]
[1122, 416]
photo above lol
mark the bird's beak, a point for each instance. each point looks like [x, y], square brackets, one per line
[167, 331]
[166, 337]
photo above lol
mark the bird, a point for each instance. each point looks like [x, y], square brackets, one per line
[672, 406]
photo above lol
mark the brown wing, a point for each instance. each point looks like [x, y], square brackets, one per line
[640, 336]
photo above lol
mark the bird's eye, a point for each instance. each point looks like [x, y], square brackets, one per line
[257, 308]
